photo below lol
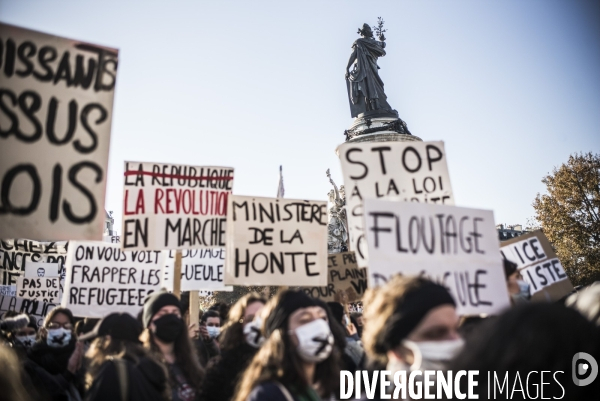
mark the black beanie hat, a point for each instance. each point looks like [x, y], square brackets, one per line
[32, 323]
[289, 302]
[154, 302]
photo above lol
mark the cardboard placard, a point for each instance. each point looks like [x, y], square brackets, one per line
[171, 206]
[538, 264]
[9, 290]
[403, 171]
[35, 308]
[41, 269]
[43, 289]
[454, 246]
[17, 255]
[275, 241]
[206, 293]
[346, 282]
[200, 269]
[57, 100]
[101, 278]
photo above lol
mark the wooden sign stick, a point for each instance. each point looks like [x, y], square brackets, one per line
[177, 275]
[194, 307]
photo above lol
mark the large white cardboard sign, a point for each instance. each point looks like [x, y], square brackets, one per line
[56, 100]
[539, 265]
[101, 278]
[403, 171]
[170, 206]
[276, 241]
[20, 255]
[44, 289]
[454, 246]
[200, 269]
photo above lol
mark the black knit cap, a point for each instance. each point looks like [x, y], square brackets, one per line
[155, 301]
[120, 326]
[32, 322]
[407, 316]
[289, 302]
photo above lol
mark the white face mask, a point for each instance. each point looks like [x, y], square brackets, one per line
[253, 334]
[213, 332]
[315, 341]
[58, 337]
[26, 341]
[433, 355]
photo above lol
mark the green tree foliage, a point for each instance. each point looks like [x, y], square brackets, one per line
[569, 214]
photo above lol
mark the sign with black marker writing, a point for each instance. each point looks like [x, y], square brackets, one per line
[17, 255]
[402, 171]
[101, 278]
[36, 308]
[56, 100]
[454, 246]
[44, 289]
[200, 269]
[346, 282]
[276, 241]
[169, 206]
[538, 264]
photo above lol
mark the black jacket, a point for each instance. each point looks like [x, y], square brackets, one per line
[146, 381]
[222, 378]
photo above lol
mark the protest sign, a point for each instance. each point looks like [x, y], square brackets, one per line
[17, 255]
[10, 290]
[206, 293]
[346, 281]
[41, 269]
[169, 206]
[56, 96]
[454, 246]
[44, 289]
[403, 171]
[276, 241]
[200, 269]
[37, 309]
[538, 264]
[101, 278]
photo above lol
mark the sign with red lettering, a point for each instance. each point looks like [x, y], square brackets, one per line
[454, 246]
[539, 265]
[400, 171]
[56, 100]
[276, 241]
[173, 206]
[101, 278]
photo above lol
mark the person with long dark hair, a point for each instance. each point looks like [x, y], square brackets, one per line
[298, 359]
[165, 334]
[238, 346]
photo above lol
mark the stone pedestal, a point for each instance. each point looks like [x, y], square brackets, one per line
[379, 129]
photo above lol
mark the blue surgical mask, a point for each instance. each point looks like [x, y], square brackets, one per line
[213, 332]
[58, 338]
[26, 341]
[524, 289]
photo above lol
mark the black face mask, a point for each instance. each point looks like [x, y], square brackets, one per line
[168, 327]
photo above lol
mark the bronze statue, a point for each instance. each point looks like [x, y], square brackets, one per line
[365, 87]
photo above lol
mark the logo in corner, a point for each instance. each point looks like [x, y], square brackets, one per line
[584, 364]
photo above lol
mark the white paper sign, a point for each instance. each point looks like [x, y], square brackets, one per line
[170, 206]
[37, 309]
[10, 290]
[55, 119]
[275, 241]
[44, 289]
[17, 255]
[404, 171]
[101, 278]
[206, 293]
[200, 269]
[454, 246]
[41, 269]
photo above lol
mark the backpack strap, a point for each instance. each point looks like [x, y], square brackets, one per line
[121, 366]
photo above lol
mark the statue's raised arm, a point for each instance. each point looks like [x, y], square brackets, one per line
[365, 87]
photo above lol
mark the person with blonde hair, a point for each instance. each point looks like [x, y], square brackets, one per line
[10, 380]
[298, 360]
[239, 341]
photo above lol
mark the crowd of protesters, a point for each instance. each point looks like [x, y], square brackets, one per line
[292, 347]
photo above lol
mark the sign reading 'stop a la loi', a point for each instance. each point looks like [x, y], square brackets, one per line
[403, 171]
[169, 206]
[56, 99]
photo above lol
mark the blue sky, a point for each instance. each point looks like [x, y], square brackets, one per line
[512, 87]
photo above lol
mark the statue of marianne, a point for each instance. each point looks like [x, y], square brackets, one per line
[365, 87]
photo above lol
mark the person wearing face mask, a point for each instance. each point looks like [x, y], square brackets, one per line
[298, 360]
[25, 337]
[412, 326]
[239, 341]
[210, 326]
[518, 288]
[58, 353]
[165, 334]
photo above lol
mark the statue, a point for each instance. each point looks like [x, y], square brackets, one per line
[337, 229]
[365, 87]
